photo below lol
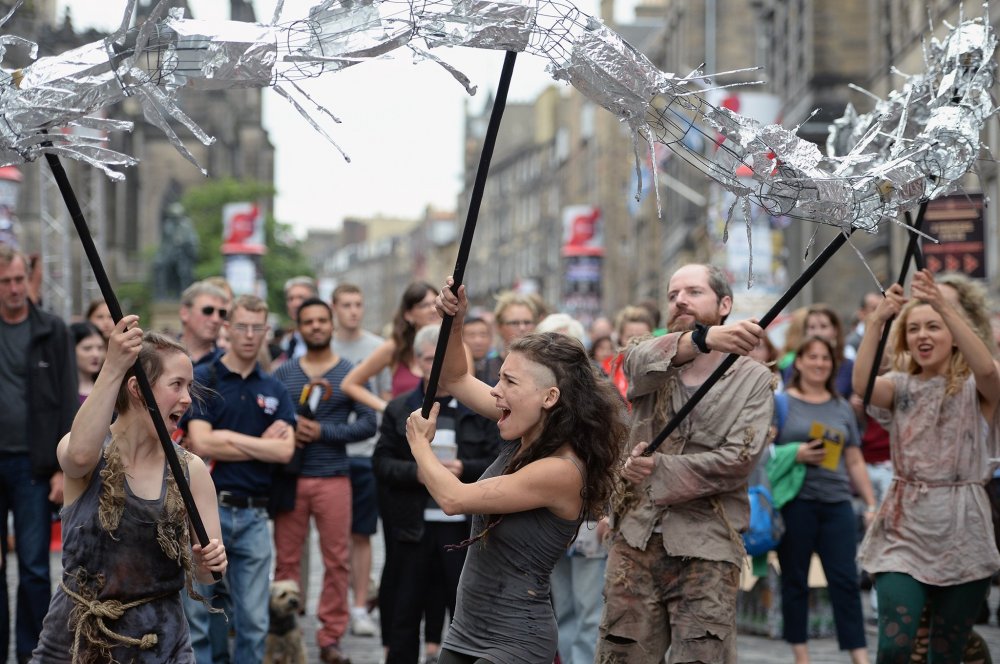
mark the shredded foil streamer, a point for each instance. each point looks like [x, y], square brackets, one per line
[915, 144]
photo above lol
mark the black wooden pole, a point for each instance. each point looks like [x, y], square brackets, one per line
[69, 197]
[475, 200]
[766, 320]
[912, 253]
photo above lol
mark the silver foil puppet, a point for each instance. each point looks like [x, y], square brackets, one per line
[913, 146]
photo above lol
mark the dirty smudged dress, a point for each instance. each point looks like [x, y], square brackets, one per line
[126, 570]
[503, 611]
[935, 522]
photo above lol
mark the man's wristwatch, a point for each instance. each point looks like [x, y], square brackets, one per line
[699, 337]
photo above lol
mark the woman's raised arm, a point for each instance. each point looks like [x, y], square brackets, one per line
[456, 376]
[356, 380]
[80, 450]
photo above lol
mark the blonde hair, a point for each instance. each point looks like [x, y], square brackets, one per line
[796, 330]
[509, 299]
[632, 314]
[958, 369]
[973, 302]
[251, 303]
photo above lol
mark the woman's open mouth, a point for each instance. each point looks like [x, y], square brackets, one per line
[504, 414]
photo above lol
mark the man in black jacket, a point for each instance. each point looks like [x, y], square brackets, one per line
[416, 529]
[38, 388]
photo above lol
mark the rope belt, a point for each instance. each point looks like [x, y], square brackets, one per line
[923, 485]
[98, 611]
[936, 483]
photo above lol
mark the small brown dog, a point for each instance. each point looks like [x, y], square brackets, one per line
[284, 637]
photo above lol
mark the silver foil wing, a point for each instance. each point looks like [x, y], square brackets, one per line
[213, 55]
[612, 73]
[54, 90]
[504, 25]
[340, 34]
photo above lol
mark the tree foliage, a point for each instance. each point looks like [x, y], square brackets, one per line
[284, 258]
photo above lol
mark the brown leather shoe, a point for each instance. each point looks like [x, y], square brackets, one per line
[331, 655]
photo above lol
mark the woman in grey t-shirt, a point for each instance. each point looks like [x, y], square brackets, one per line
[567, 429]
[820, 519]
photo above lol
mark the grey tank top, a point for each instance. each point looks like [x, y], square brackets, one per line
[503, 612]
[133, 566]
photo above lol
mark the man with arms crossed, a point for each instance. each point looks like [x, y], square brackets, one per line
[246, 424]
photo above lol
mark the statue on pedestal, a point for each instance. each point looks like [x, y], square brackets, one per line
[173, 267]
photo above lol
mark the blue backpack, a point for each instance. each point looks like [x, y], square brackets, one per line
[766, 525]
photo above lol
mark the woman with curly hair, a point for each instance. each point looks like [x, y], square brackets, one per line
[416, 309]
[127, 549]
[931, 546]
[566, 431]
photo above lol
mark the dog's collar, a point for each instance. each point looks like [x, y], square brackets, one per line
[282, 625]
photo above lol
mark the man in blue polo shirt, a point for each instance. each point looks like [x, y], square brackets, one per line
[245, 424]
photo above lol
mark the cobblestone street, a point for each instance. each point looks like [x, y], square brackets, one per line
[752, 649]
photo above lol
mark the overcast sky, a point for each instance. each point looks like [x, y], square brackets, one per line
[402, 124]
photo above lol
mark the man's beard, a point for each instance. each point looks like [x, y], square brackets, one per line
[688, 324]
[315, 345]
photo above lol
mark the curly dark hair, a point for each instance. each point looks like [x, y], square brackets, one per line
[589, 415]
[403, 332]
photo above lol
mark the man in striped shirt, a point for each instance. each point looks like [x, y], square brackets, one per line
[323, 490]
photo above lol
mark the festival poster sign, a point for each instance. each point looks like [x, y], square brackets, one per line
[957, 223]
[243, 229]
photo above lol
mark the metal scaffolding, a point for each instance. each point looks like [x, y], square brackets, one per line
[55, 246]
[61, 257]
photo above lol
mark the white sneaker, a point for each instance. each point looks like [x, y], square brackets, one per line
[361, 622]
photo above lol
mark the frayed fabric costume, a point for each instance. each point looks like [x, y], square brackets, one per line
[125, 560]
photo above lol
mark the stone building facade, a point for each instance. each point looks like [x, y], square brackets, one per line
[125, 218]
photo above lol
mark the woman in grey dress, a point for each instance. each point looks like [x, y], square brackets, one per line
[126, 542]
[567, 431]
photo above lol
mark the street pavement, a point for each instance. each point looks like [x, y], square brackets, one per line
[751, 649]
[368, 650]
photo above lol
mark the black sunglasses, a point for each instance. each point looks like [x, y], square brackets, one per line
[208, 310]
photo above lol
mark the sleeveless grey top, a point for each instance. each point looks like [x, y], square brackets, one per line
[127, 565]
[503, 612]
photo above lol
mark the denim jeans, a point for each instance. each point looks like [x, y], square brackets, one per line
[577, 596]
[28, 498]
[249, 550]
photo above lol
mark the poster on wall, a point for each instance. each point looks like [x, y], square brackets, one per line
[243, 229]
[957, 223]
[583, 259]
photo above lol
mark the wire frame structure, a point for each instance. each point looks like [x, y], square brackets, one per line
[913, 146]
